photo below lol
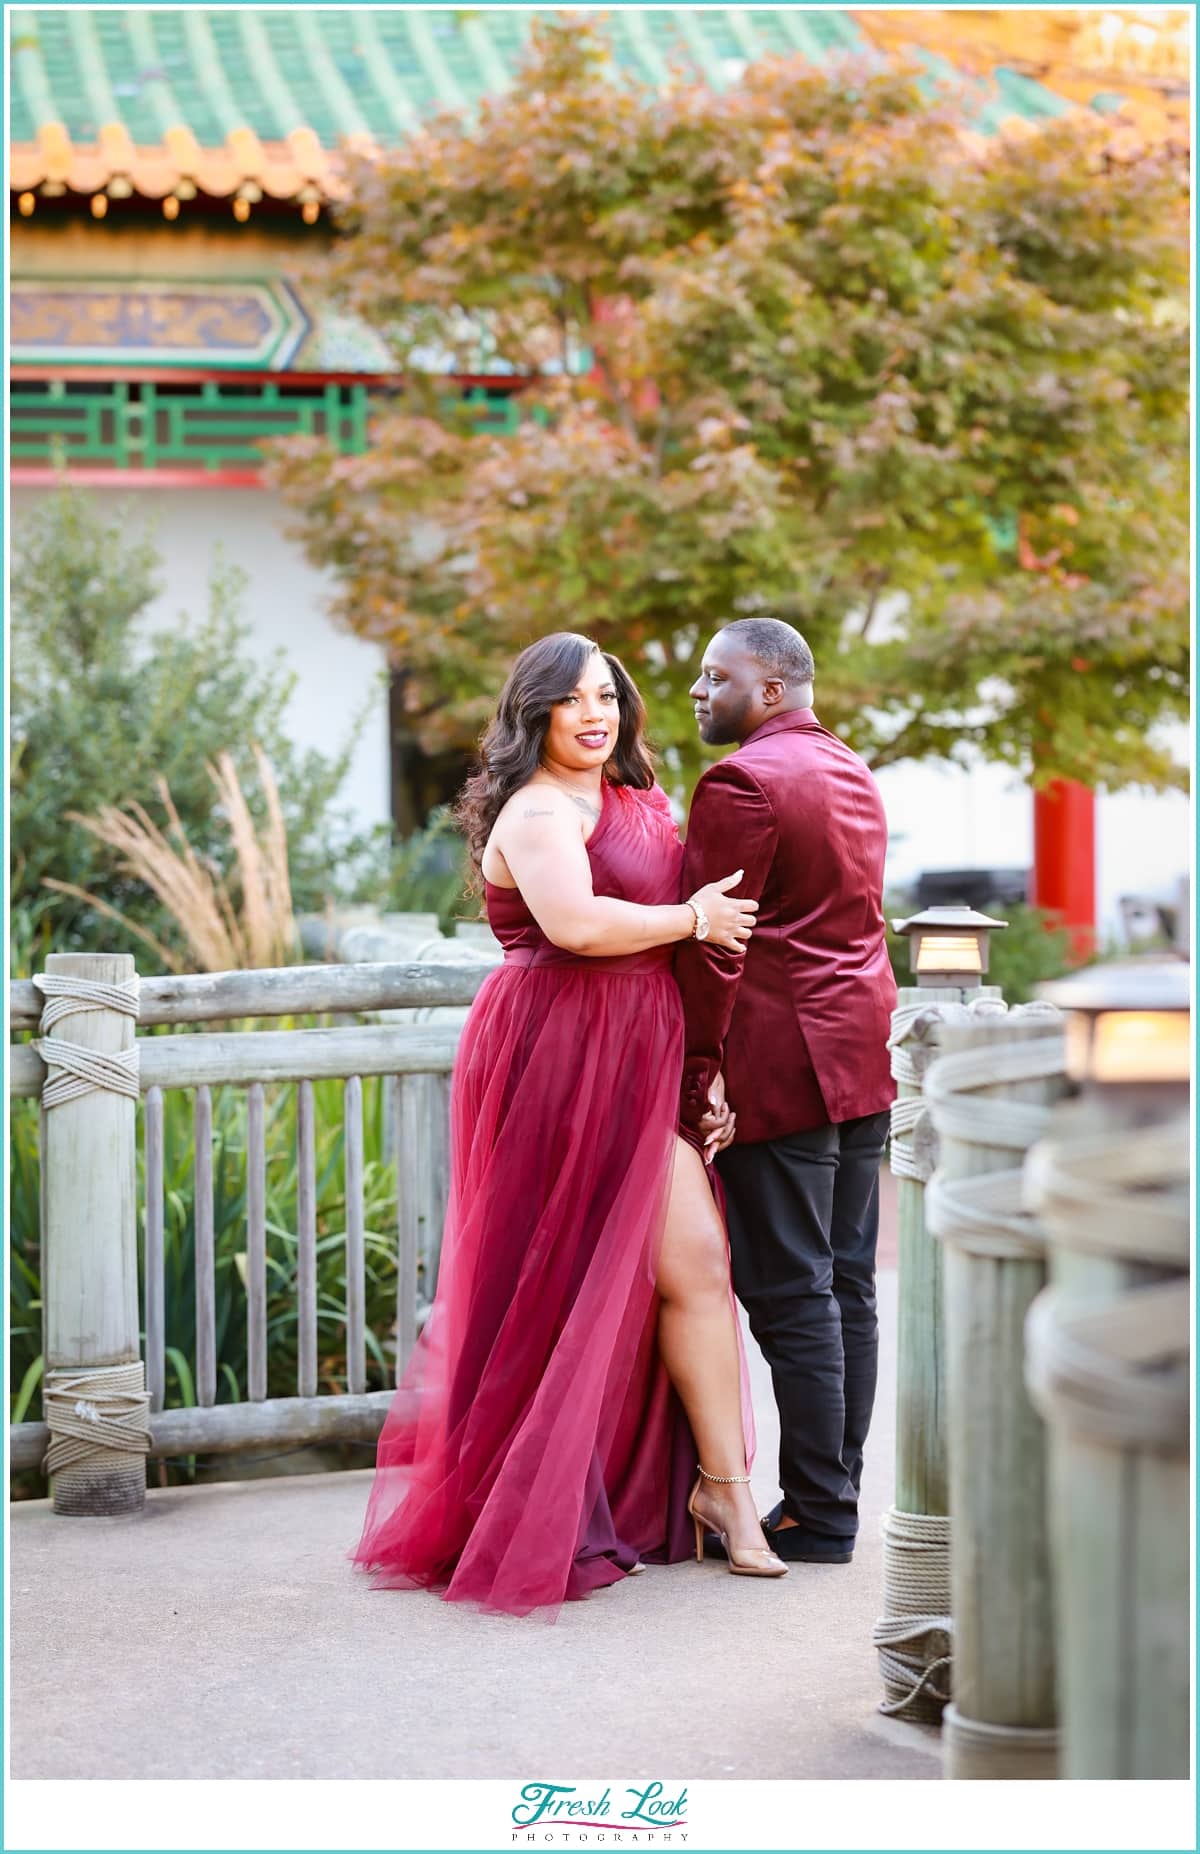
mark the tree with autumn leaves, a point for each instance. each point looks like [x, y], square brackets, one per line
[810, 348]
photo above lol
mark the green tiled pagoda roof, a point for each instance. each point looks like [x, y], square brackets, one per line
[342, 71]
[256, 100]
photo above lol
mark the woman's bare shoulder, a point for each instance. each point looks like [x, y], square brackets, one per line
[535, 815]
[534, 800]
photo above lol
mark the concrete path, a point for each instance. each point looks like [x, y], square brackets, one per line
[224, 1635]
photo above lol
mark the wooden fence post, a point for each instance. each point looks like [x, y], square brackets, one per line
[94, 1384]
[989, 1093]
[417, 1141]
[1107, 1361]
[911, 1636]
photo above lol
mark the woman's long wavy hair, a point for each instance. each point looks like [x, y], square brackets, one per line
[510, 751]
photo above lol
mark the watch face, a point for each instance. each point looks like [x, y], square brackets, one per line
[702, 930]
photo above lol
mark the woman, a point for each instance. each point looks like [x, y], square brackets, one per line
[534, 1451]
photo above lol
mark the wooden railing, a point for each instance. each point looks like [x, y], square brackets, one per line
[88, 1155]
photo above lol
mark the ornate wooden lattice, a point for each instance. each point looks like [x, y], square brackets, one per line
[211, 427]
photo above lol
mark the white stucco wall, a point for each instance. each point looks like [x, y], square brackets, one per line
[285, 605]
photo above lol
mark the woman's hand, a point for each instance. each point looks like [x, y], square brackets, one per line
[730, 921]
[718, 1125]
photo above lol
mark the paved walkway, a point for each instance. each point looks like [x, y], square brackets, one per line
[223, 1635]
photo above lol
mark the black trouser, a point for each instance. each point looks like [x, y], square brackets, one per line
[803, 1221]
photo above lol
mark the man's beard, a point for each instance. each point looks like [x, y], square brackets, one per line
[731, 726]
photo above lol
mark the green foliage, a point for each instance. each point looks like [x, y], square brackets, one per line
[1027, 953]
[101, 710]
[24, 1262]
[802, 347]
[426, 874]
[229, 1220]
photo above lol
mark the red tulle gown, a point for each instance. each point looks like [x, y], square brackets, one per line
[535, 1449]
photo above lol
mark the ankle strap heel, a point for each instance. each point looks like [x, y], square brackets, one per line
[725, 1480]
[744, 1561]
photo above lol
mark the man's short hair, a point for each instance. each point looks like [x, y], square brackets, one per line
[778, 647]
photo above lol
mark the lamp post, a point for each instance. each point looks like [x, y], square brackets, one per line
[948, 946]
[1129, 1037]
[1107, 1362]
[948, 953]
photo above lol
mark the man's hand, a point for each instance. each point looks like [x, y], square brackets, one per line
[717, 1127]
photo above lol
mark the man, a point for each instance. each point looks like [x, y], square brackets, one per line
[798, 1028]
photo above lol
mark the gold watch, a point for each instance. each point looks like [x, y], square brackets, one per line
[700, 930]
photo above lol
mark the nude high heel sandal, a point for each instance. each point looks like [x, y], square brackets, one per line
[759, 1562]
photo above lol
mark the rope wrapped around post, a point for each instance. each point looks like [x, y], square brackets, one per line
[913, 1046]
[991, 1093]
[1090, 1189]
[105, 1408]
[986, 1215]
[1108, 1356]
[81, 1069]
[93, 1392]
[913, 1635]
[1117, 1373]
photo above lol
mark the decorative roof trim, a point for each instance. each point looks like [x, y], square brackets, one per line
[298, 168]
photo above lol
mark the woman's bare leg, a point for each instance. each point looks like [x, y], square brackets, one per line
[698, 1341]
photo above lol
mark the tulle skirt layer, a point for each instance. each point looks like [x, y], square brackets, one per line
[535, 1449]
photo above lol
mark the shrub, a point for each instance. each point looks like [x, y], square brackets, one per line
[102, 710]
[427, 874]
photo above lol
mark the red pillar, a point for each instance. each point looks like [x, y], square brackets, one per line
[1064, 858]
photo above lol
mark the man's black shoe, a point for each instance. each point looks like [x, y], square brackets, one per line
[793, 1545]
[796, 1546]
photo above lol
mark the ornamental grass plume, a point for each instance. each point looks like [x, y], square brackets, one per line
[222, 935]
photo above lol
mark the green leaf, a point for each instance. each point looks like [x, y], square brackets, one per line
[24, 1396]
[183, 1377]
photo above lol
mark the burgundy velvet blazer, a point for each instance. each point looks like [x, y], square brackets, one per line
[799, 1024]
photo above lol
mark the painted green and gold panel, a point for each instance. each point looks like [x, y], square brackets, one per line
[259, 325]
[69, 321]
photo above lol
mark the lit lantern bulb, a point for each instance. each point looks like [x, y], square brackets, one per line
[311, 211]
[26, 203]
[170, 207]
[241, 211]
[99, 205]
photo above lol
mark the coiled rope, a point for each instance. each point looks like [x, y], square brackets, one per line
[913, 1636]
